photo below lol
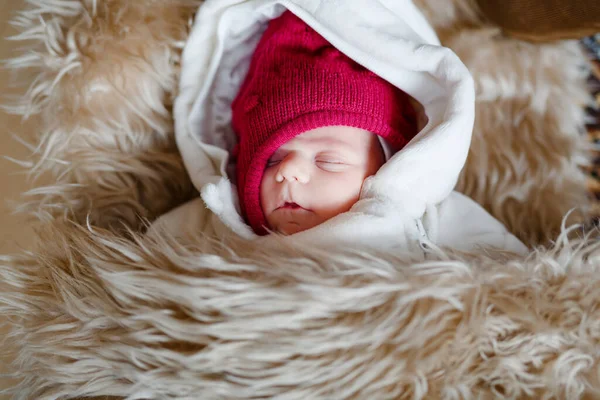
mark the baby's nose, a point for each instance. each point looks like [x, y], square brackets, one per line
[293, 169]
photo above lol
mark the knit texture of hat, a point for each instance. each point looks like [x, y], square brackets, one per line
[297, 82]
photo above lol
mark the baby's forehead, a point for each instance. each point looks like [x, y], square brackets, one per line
[336, 137]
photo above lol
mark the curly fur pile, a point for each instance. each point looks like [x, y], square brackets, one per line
[107, 75]
[527, 151]
[99, 310]
[102, 315]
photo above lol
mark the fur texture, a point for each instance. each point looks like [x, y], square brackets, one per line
[97, 314]
[98, 310]
[107, 74]
[525, 164]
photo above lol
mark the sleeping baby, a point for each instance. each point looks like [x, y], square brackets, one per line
[326, 155]
[318, 131]
[316, 176]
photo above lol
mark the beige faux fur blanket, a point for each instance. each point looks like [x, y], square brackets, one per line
[98, 310]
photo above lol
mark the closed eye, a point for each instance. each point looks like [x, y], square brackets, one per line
[329, 162]
[331, 165]
[272, 163]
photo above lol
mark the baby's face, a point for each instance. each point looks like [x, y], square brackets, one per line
[316, 176]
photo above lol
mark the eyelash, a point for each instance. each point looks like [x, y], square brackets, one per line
[329, 162]
[272, 163]
[331, 166]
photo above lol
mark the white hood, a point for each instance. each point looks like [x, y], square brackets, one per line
[389, 37]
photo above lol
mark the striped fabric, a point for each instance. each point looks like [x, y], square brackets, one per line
[592, 45]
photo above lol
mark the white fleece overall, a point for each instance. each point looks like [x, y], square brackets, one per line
[410, 202]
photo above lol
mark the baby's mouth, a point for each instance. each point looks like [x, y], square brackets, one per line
[290, 206]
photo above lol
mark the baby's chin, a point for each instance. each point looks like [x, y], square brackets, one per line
[292, 226]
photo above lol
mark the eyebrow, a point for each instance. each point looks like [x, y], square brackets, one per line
[333, 141]
[321, 141]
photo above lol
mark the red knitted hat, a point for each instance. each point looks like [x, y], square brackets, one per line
[297, 82]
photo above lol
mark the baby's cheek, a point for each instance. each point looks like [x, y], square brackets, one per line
[341, 192]
[266, 190]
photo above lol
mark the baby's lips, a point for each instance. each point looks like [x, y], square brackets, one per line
[290, 205]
